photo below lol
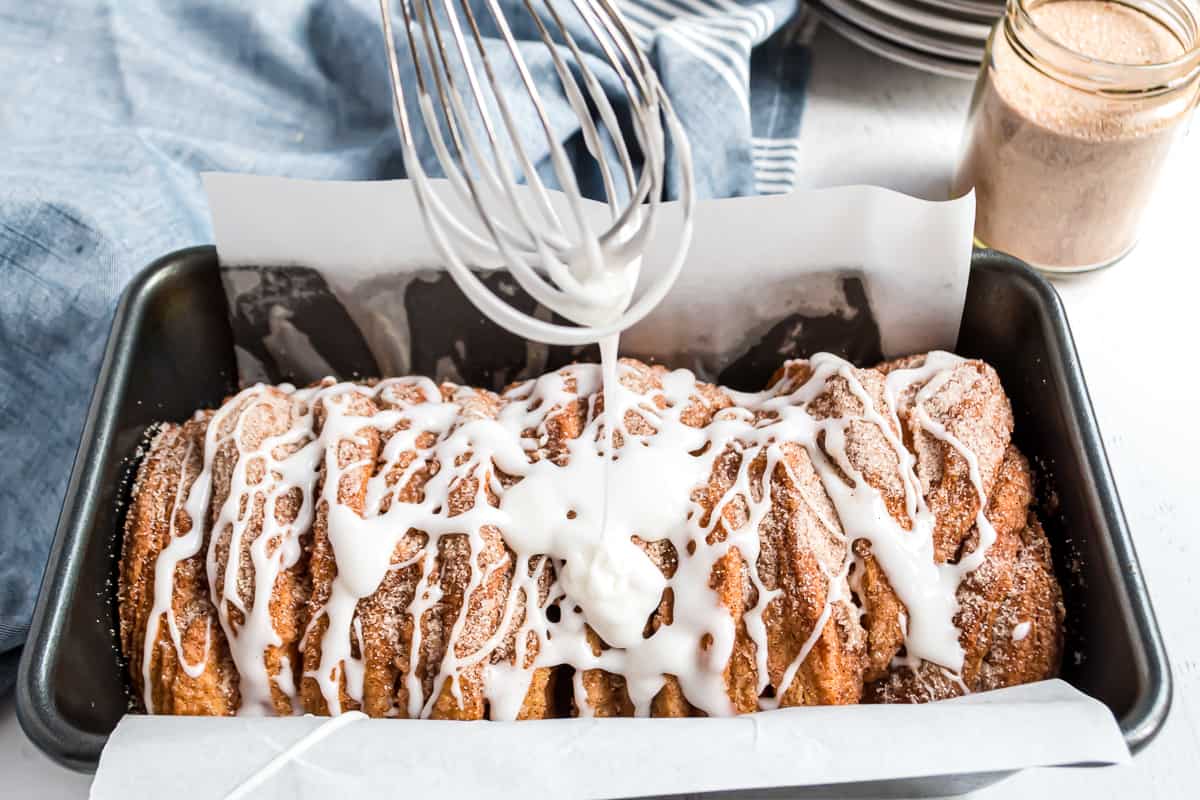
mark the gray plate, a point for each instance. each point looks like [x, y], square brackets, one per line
[948, 67]
[986, 10]
[907, 36]
[940, 21]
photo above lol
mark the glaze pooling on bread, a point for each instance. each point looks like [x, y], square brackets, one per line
[417, 550]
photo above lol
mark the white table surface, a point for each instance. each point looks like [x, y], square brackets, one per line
[869, 121]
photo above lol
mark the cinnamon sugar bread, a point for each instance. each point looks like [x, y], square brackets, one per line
[413, 550]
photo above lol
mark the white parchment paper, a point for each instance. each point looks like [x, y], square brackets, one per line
[753, 262]
[1035, 725]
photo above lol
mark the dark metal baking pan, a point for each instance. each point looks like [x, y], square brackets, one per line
[171, 351]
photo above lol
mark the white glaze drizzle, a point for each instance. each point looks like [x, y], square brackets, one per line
[580, 514]
[179, 548]
[251, 637]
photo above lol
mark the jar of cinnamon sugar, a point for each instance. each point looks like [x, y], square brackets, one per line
[1076, 107]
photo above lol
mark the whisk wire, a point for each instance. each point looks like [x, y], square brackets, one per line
[511, 129]
[458, 120]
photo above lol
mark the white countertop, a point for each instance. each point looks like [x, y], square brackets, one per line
[869, 121]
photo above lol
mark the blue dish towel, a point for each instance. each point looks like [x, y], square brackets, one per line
[110, 109]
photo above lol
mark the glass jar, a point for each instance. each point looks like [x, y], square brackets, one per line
[1076, 107]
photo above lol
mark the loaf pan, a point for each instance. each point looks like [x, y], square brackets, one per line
[171, 351]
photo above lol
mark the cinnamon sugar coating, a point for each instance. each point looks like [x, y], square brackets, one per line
[832, 626]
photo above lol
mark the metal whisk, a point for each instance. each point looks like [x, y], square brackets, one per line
[586, 270]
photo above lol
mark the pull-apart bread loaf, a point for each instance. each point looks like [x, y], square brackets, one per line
[413, 550]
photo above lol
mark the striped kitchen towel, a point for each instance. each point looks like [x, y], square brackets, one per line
[736, 73]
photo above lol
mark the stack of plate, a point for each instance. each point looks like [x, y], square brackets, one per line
[942, 36]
